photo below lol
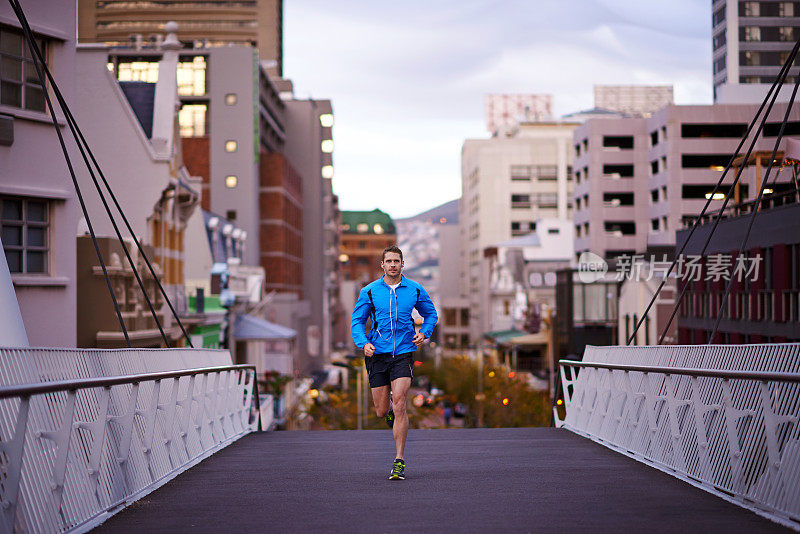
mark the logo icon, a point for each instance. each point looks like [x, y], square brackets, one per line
[591, 267]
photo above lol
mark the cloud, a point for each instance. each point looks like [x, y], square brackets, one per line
[408, 79]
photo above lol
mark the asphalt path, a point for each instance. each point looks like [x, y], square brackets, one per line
[457, 480]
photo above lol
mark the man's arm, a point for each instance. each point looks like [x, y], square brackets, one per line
[427, 310]
[358, 322]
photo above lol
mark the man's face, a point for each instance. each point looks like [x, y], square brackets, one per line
[392, 264]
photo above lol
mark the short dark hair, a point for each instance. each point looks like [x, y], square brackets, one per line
[392, 248]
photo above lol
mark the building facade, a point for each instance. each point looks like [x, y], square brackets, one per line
[633, 99]
[751, 41]
[39, 211]
[764, 302]
[255, 23]
[610, 195]
[507, 184]
[637, 180]
[504, 111]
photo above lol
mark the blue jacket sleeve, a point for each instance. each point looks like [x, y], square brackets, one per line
[358, 322]
[427, 310]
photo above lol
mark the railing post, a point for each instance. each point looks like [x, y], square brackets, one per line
[14, 450]
[62, 439]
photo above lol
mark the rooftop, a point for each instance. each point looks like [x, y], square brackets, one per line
[367, 222]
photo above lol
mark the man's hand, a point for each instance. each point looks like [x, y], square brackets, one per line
[419, 339]
[369, 350]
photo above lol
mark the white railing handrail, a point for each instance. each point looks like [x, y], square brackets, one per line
[688, 371]
[725, 418]
[76, 451]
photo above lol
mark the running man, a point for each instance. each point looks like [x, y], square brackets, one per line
[389, 347]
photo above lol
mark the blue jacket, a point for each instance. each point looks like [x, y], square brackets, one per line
[392, 325]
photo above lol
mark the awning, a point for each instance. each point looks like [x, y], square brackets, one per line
[539, 338]
[250, 327]
[503, 336]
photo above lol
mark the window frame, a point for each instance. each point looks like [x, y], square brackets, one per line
[25, 59]
[24, 224]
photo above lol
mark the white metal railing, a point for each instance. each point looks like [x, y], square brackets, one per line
[722, 417]
[74, 451]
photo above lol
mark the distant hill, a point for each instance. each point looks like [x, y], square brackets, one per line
[448, 210]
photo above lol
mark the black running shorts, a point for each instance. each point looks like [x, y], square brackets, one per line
[382, 369]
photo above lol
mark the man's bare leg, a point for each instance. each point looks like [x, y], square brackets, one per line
[380, 397]
[400, 429]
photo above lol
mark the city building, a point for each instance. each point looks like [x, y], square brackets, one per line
[364, 236]
[504, 111]
[309, 150]
[637, 180]
[142, 161]
[452, 305]
[39, 210]
[508, 183]
[521, 296]
[633, 99]
[611, 170]
[202, 23]
[218, 90]
[764, 302]
[751, 41]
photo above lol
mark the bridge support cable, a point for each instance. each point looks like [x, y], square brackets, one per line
[771, 97]
[81, 143]
[751, 219]
[32, 45]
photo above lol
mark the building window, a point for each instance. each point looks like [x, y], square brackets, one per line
[464, 317]
[750, 58]
[327, 171]
[719, 64]
[553, 231]
[520, 173]
[786, 9]
[751, 33]
[654, 225]
[654, 138]
[786, 33]
[193, 120]
[231, 181]
[749, 9]
[230, 99]
[450, 317]
[192, 76]
[719, 15]
[326, 120]
[138, 71]
[327, 146]
[520, 201]
[230, 146]
[654, 196]
[362, 228]
[25, 229]
[19, 81]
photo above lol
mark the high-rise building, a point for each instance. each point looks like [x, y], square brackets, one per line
[201, 23]
[632, 99]
[751, 41]
[503, 111]
[507, 184]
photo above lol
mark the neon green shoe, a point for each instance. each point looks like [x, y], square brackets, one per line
[398, 470]
[390, 418]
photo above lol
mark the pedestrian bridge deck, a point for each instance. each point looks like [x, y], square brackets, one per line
[464, 480]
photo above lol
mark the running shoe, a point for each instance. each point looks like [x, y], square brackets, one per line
[398, 470]
[390, 418]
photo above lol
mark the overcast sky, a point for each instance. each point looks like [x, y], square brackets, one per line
[408, 79]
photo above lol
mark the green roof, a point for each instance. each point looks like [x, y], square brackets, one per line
[352, 219]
